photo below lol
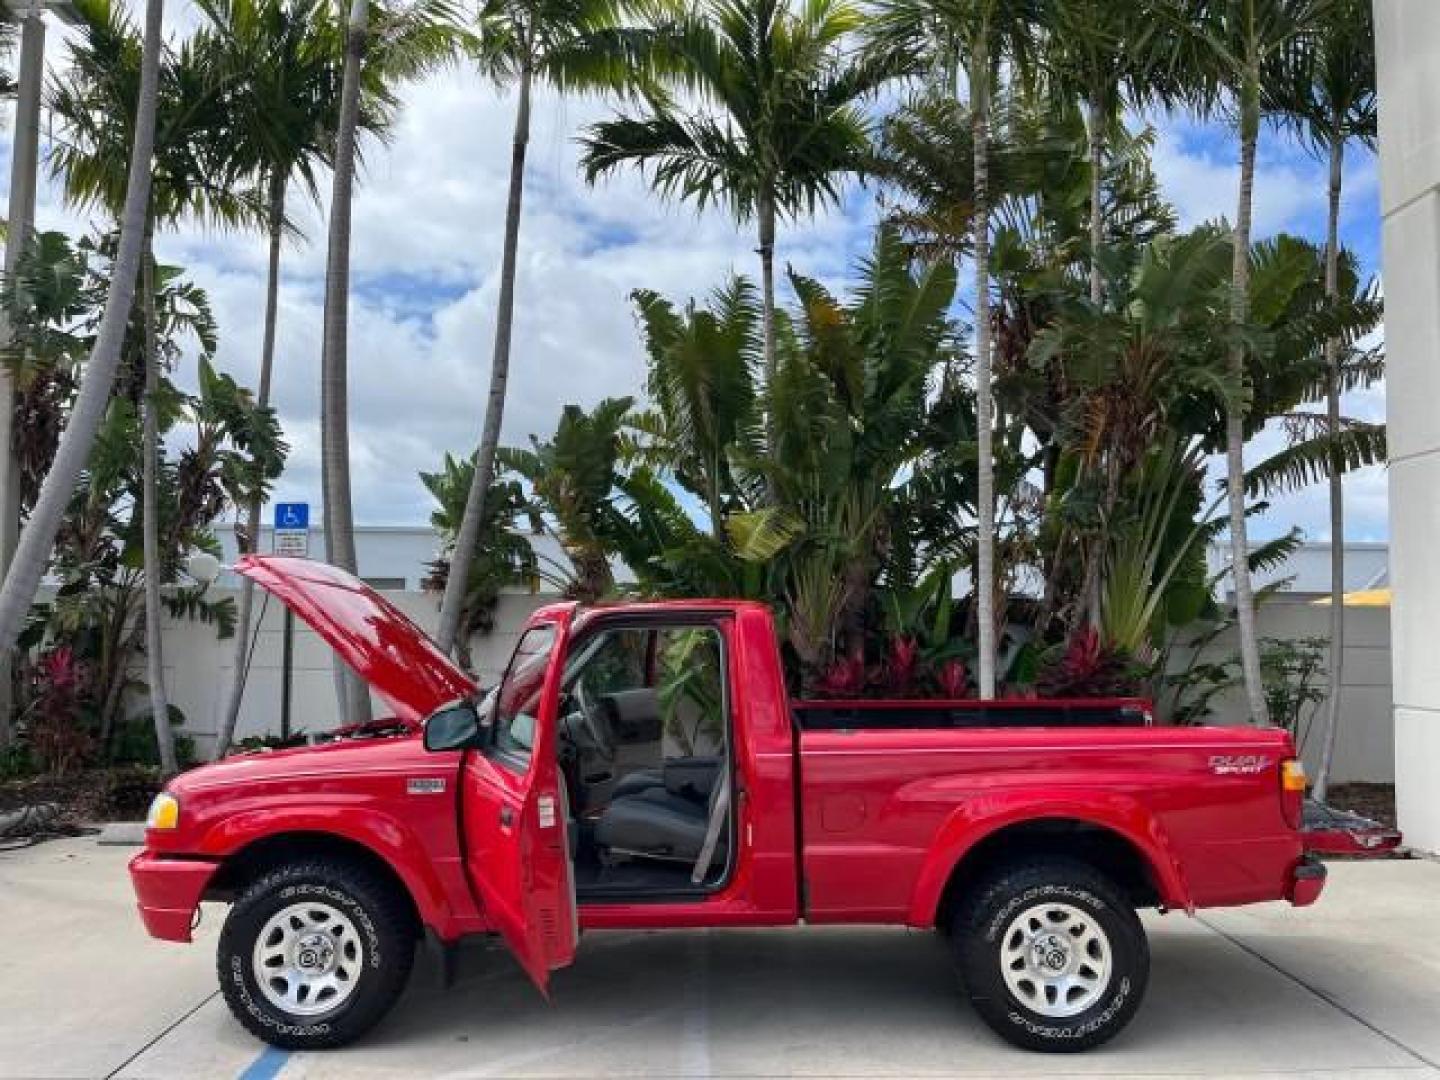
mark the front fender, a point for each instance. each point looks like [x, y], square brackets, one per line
[381, 833]
[975, 820]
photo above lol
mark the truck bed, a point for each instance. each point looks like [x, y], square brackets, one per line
[886, 809]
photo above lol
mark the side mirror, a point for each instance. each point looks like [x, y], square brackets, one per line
[453, 727]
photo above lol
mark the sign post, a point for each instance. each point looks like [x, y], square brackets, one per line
[292, 538]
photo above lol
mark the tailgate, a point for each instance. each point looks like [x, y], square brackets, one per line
[1327, 831]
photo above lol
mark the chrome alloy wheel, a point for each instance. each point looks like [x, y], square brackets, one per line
[1056, 959]
[308, 959]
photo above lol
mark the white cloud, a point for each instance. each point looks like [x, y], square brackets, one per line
[426, 251]
[1203, 186]
[428, 219]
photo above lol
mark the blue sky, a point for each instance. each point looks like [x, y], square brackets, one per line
[428, 217]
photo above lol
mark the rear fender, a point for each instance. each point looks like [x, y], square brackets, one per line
[382, 834]
[978, 819]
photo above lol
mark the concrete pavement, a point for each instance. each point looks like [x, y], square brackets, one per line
[1350, 987]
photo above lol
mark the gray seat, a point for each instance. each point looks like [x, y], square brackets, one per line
[654, 822]
[641, 780]
[690, 778]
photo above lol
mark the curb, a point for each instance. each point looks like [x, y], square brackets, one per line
[122, 834]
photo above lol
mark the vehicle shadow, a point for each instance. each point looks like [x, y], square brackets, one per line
[852, 1001]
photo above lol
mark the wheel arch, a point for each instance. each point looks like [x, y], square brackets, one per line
[252, 860]
[1140, 867]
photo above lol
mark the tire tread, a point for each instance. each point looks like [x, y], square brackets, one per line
[971, 951]
[393, 926]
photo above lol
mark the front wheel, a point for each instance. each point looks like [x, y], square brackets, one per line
[314, 954]
[1052, 955]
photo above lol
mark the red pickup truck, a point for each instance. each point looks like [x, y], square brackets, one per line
[640, 765]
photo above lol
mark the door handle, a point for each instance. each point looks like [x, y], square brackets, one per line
[507, 816]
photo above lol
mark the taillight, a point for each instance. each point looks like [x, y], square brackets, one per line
[1292, 790]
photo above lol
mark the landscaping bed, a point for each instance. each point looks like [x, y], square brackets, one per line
[121, 793]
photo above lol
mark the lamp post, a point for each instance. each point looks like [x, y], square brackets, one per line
[24, 160]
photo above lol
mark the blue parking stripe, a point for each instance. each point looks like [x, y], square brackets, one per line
[267, 1066]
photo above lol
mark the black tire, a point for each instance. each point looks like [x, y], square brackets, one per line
[383, 952]
[1018, 919]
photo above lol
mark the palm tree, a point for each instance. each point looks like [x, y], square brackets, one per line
[93, 104]
[1219, 51]
[399, 46]
[503, 556]
[354, 700]
[570, 44]
[573, 476]
[977, 38]
[701, 383]
[777, 120]
[285, 59]
[38, 537]
[1327, 93]
[1092, 54]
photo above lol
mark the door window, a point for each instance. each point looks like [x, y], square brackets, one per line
[644, 746]
[518, 700]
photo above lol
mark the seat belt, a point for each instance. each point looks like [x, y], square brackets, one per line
[719, 810]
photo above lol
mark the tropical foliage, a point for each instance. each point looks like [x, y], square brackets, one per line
[80, 646]
[985, 459]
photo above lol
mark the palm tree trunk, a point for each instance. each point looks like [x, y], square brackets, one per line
[1337, 488]
[38, 538]
[24, 151]
[714, 495]
[1235, 414]
[150, 523]
[1097, 231]
[353, 697]
[984, 406]
[765, 212]
[468, 538]
[236, 695]
[766, 222]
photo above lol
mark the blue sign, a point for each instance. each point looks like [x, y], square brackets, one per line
[290, 516]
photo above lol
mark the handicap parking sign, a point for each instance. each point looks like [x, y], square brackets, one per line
[292, 515]
[292, 529]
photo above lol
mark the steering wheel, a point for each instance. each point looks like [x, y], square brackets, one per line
[602, 745]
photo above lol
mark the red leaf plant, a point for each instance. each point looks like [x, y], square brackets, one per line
[844, 678]
[901, 666]
[952, 679]
[1088, 668]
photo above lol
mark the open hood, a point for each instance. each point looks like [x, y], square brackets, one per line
[399, 661]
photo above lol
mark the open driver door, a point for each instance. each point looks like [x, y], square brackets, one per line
[514, 812]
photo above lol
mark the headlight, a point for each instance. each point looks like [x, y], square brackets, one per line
[164, 812]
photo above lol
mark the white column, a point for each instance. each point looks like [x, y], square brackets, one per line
[1408, 47]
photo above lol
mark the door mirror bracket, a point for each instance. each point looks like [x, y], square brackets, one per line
[455, 726]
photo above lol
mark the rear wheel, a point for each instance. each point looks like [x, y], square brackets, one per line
[1052, 955]
[314, 954]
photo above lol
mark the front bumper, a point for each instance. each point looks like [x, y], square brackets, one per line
[1307, 880]
[168, 891]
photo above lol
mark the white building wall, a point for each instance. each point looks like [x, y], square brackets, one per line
[198, 670]
[1408, 48]
[1365, 744]
[198, 666]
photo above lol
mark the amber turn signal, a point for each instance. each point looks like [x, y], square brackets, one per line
[164, 812]
[1292, 774]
